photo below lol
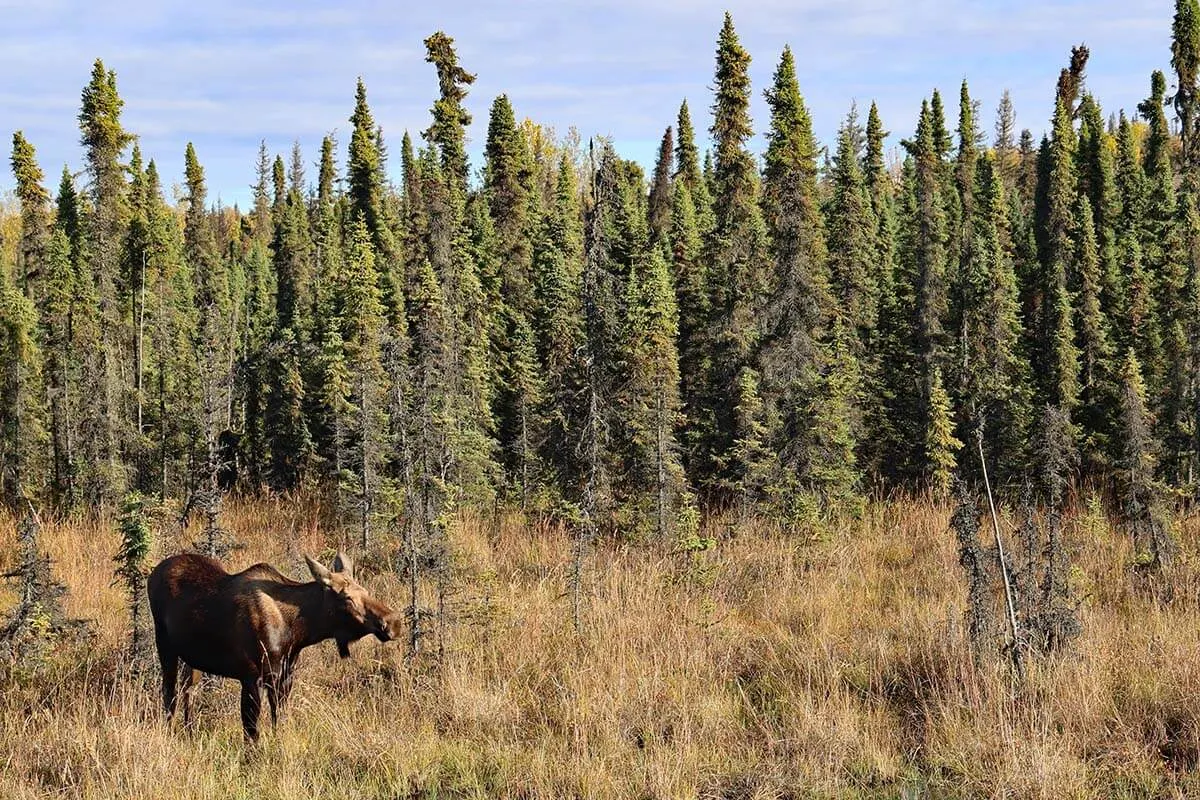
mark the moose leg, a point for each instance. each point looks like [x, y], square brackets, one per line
[278, 682]
[285, 686]
[251, 706]
[170, 674]
[272, 687]
[191, 684]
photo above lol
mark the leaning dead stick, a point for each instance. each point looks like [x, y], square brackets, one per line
[1008, 590]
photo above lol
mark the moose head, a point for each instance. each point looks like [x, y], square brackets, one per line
[353, 612]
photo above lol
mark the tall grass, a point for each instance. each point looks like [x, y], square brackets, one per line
[770, 667]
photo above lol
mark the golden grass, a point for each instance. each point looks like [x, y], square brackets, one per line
[778, 668]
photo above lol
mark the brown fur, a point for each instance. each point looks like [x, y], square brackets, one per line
[252, 625]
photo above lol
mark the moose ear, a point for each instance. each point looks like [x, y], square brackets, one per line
[319, 572]
[343, 564]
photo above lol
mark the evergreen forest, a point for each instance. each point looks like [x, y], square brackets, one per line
[739, 356]
[559, 331]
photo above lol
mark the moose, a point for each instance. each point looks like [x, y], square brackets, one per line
[252, 625]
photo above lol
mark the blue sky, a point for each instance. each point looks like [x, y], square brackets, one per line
[225, 75]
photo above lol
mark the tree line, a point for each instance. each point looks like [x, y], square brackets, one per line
[777, 333]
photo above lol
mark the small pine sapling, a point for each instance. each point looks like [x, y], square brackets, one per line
[131, 559]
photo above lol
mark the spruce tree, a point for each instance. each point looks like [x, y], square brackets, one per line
[61, 365]
[22, 430]
[1164, 260]
[602, 294]
[138, 251]
[261, 213]
[1138, 323]
[362, 330]
[104, 141]
[650, 401]
[1004, 145]
[805, 377]
[1131, 181]
[212, 347]
[69, 210]
[35, 217]
[259, 312]
[522, 427]
[875, 175]
[883, 374]
[688, 169]
[927, 244]
[1096, 400]
[72, 309]
[1071, 79]
[469, 373]
[173, 376]
[751, 456]
[288, 436]
[692, 301]
[557, 261]
[326, 235]
[427, 435]
[737, 256]
[1138, 489]
[1160, 240]
[292, 249]
[365, 190]
[964, 173]
[852, 240]
[660, 191]
[800, 301]
[1057, 357]
[833, 476]
[921, 294]
[994, 391]
[450, 117]
[1185, 59]
[132, 567]
[941, 446]
[507, 184]
[1097, 178]
[1027, 171]
[1190, 221]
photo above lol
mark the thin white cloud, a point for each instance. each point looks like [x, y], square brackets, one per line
[226, 74]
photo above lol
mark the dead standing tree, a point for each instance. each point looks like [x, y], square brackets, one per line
[1021, 585]
[38, 620]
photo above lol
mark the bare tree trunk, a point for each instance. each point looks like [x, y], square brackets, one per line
[443, 628]
[1008, 591]
[233, 328]
[339, 437]
[138, 351]
[162, 390]
[210, 491]
[587, 525]
[17, 470]
[414, 609]
[524, 456]
[162, 435]
[438, 526]
[365, 445]
[662, 467]
[410, 512]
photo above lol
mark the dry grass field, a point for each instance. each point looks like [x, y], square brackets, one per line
[773, 667]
